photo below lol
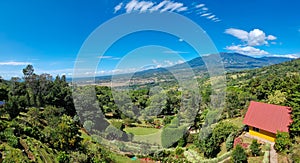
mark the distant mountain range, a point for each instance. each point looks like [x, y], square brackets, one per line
[232, 62]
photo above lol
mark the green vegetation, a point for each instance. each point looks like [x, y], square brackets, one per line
[255, 148]
[282, 141]
[238, 155]
[39, 123]
[141, 130]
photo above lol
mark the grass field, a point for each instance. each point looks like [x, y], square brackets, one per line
[152, 138]
[147, 135]
[141, 130]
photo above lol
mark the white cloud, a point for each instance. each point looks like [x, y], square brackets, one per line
[159, 6]
[256, 37]
[206, 14]
[182, 9]
[130, 6]
[14, 63]
[271, 38]
[293, 56]
[118, 7]
[238, 33]
[180, 40]
[166, 63]
[205, 9]
[173, 6]
[211, 17]
[247, 50]
[200, 5]
[144, 6]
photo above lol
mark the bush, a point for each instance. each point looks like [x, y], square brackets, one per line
[282, 141]
[179, 151]
[63, 157]
[255, 148]
[117, 124]
[229, 142]
[8, 135]
[238, 155]
[182, 142]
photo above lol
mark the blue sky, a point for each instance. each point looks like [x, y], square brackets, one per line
[49, 34]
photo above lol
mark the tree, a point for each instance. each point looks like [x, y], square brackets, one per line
[210, 146]
[255, 148]
[277, 98]
[65, 136]
[282, 141]
[239, 155]
[294, 102]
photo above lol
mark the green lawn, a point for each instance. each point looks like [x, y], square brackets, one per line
[147, 135]
[141, 130]
[152, 138]
[237, 121]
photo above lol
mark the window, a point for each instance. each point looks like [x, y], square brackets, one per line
[256, 129]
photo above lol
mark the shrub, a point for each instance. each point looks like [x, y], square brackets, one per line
[238, 155]
[63, 157]
[255, 148]
[229, 142]
[179, 151]
[282, 141]
[119, 125]
[8, 135]
[182, 141]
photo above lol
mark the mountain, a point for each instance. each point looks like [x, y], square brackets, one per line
[233, 62]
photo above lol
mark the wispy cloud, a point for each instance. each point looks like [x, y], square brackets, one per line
[206, 14]
[175, 52]
[108, 57]
[142, 6]
[293, 56]
[200, 5]
[247, 50]
[166, 63]
[12, 63]
[118, 7]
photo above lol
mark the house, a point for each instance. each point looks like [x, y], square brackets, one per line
[264, 120]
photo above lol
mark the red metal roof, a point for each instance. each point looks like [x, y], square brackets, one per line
[268, 117]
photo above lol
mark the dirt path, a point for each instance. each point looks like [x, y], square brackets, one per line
[273, 154]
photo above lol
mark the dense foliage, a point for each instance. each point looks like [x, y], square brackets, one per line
[39, 115]
[239, 155]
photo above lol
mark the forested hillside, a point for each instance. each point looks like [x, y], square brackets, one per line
[39, 122]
